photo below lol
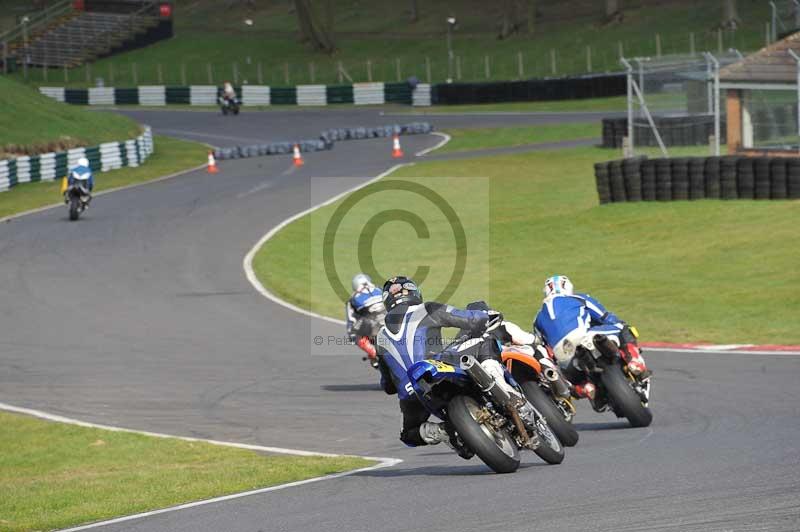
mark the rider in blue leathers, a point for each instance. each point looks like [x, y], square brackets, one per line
[567, 318]
[413, 332]
[81, 175]
[364, 314]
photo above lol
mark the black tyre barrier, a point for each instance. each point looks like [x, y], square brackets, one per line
[697, 181]
[680, 178]
[690, 130]
[793, 179]
[727, 178]
[761, 167]
[632, 174]
[602, 181]
[745, 178]
[663, 179]
[617, 181]
[324, 142]
[648, 168]
[712, 172]
[777, 169]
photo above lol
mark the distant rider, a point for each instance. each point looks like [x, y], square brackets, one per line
[365, 313]
[228, 92]
[566, 316]
[82, 175]
[413, 332]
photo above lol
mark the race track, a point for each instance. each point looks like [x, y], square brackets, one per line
[140, 316]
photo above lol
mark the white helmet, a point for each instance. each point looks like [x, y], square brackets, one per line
[557, 285]
[83, 161]
[361, 280]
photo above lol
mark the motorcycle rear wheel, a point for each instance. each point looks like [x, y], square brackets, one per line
[624, 399]
[74, 208]
[496, 448]
[555, 419]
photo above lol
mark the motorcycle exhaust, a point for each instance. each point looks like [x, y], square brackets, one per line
[484, 381]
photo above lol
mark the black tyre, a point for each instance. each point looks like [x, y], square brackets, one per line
[74, 208]
[539, 399]
[236, 110]
[550, 448]
[603, 185]
[225, 109]
[496, 448]
[625, 400]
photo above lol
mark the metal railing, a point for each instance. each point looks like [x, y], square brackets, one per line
[37, 20]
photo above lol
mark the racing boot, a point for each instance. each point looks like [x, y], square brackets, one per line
[457, 444]
[433, 433]
[585, 390]
[633, 358]
[366, 345]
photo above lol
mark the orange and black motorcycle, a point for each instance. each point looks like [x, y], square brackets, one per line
[545, 388]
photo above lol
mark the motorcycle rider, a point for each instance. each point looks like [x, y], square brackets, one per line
[364, 312]
[413, 333]
[228, 93]
[81, 175]
[569, 317]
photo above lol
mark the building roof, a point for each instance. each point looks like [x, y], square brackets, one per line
[772, 64]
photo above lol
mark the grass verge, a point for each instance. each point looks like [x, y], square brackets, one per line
[473, 139]
[171, 155]
[681, 271]
[54, 475]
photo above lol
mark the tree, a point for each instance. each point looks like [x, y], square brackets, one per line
[730, 15]
[414, 10]
[312, 27]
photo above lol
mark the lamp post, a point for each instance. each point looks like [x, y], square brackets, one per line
[25, 59]
[451, 24]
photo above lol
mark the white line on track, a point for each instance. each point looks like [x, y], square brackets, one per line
[382, 462]
[701, 351]
[445, 139]
[247, 263]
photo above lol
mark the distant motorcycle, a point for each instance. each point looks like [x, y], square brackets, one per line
[545, 389]
[77, 198]
[485, 418]
[229, 105]
[618, 389]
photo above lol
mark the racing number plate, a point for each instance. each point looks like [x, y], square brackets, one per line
[441, 366]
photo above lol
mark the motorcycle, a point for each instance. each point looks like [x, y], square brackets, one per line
[617, 389]
[229, 105]
[486, 420]
[77, 198]
[369, 326]
[545, 389]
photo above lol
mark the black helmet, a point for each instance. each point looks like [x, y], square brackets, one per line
[400, 290]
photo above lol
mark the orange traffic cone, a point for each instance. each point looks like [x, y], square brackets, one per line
[397, 151]
[212, 163]
[298, 159]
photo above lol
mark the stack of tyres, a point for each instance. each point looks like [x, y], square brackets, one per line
[648, 180]
[712, 177]
[608, 133]
[777, 173]
[745, 178]
[680, 178]
[632, 175]
[663, 179]
[727, 178]
[603, 184]
[617, 181]
[697, 184]
[761, 167]
[793, 179]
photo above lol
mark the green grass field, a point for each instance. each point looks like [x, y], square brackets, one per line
[378, 31]
[171, 155]
[480, 138]
[31, 123]
[54, 475]
[680, 271]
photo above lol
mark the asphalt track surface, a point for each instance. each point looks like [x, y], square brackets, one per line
[140, 316]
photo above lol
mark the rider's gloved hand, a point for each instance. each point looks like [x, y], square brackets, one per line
[495, 320]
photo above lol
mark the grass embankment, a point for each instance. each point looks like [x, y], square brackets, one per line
[54, 475]
[171, 155]
[473, 139]
[31, 123]
[379, 31]
[681, 271]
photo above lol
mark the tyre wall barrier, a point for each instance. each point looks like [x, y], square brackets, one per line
[568, 88]
[52, 166]
[694, 178]
[325, 141]
[687, 130]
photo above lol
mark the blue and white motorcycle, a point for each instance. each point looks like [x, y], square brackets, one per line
[484, 418]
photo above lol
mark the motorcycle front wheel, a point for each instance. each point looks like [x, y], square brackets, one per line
[555, 419]
[550, 449]
[495, 447]
[625, 401]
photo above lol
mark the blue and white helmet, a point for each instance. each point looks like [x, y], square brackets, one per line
[362, 281]
[83, 161]
[557, 285]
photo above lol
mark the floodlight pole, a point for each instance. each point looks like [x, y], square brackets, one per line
[629, 69]
[712, 59]
[797, 59]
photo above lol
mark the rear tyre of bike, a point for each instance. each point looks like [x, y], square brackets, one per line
[224, 110]
[625, 400]
[74, 208]
[236, 110]
[539, 399]
[496, 448]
